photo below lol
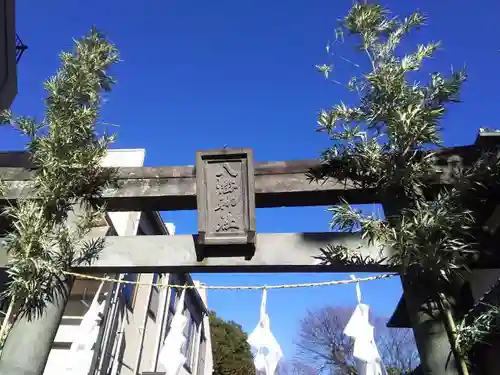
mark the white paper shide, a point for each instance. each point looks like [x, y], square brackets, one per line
[171, 356]
[268, 352]
[368, 361]
[82, 349]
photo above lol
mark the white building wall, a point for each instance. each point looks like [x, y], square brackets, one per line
[209, 363]
[125, 223]
[134, 336]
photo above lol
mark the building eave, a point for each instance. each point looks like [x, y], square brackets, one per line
[199, 300]
[399, 318]
[490, 298]
[156, 222]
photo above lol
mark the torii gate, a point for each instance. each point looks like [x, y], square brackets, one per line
[225, 187]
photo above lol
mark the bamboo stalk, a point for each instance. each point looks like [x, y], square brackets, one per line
[451, 330]
[5, 323]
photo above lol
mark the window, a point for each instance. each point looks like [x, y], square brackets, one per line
[171, 304]
[155, 299]
[154, 302]
[187, 334]
[174, 294]
[201, 354]
[193, 314]
[130, 290]
[171, 309]
[190, 335]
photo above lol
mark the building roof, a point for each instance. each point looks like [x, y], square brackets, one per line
[399, 318]
[490, 298]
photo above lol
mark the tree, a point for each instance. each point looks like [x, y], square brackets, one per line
[295, 367]
[67, 185]
[322, 342]
[232, 354]
[388, 141]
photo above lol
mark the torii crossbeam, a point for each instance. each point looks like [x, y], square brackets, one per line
[274, 184]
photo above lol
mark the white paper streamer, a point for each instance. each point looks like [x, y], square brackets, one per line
[171, 356]
[268, 351]
[368, 361]
[82, 349]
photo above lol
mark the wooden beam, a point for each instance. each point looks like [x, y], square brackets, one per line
[275, 252]
[277, 184]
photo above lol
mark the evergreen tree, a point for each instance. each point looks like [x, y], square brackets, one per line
[323, 346]
[68, 181]
[388, 142]
[232, 354]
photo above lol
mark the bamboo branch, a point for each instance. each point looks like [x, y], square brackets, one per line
[5, 323]
[451, 330]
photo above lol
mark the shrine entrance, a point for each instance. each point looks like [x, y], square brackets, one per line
[226, 187]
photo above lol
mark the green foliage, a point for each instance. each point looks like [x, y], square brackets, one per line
[395, 371]
[380, 143]
[231, 352]
[343, 255]
[484, 326]
[69, 178]
[389, 142]
[377, 139]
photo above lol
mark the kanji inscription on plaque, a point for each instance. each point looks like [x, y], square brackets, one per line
[225, 196]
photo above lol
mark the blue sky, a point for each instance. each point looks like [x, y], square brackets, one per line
[204, 74]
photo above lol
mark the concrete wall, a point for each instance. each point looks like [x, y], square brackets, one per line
[141, 353]
[208, 367]
[125, 224]
[200, 358]
[141, 328]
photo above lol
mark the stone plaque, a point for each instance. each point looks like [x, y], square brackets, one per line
[225, 193]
